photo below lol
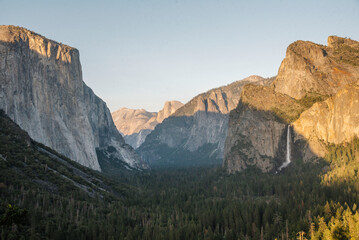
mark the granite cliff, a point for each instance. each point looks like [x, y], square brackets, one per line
[195, 134]
[315, 92]
[333, 121]
[257, 129]
[313, 69]
[41, 89]
[136, 124]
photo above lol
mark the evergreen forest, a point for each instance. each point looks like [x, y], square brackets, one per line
[43, 195]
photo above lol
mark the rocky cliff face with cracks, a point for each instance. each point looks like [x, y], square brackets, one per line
[258, 128]
[195, 134]
[136, 124]
[41, 89]
[313, 69]
[332, 121]
[315, 91]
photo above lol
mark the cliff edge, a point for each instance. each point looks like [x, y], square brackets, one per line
[42, 90]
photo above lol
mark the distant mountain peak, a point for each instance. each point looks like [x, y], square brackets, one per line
[253, 78]
[136, 124]
[195, 134]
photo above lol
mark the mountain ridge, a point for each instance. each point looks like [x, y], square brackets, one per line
[136, 124]
[195, 133]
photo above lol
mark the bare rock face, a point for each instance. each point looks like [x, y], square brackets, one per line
[169, 108]
[310, 68]
[334, 121]
[195, 134]
[316, 92]
[129, 121]
[136, 139]
[136, 124]
[257, 129]
[41, 89]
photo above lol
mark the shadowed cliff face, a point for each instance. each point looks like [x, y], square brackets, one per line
[41, 89]
[258, 128]
[316, 92]
[256, 132]
[182, 141]
[195, 134]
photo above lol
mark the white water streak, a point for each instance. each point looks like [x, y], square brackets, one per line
[287, 161]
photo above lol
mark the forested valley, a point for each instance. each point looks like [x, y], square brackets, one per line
[41, 199]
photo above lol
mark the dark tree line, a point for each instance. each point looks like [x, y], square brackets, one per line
[315, 201]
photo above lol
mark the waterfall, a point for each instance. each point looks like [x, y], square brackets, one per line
[287, 160]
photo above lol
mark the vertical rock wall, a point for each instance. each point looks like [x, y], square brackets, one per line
[42, 90]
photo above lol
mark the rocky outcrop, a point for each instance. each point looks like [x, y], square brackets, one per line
[136, 124]
[333, 121]
[168, 109]
[195, 134]
[316, 92]
[258, 128]
[129, 121]
[313, 69]
[41, 89]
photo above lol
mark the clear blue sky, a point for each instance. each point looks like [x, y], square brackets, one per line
[138, 54]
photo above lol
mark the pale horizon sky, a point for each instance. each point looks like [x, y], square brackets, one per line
[139, 54]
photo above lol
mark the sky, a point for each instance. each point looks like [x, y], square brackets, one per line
[141, 53]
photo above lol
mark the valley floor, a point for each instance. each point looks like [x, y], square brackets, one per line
[186, 204]
[46, 196]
